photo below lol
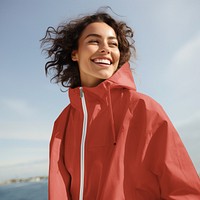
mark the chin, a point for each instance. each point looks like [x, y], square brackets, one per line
[106, 76]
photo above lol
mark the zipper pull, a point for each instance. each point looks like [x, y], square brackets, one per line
[81, 92]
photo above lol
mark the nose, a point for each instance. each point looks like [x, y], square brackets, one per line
[104, 49]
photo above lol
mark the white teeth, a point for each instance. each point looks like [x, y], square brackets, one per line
[102, 61]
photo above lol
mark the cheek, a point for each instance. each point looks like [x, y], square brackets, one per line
[83, 54]
[117, 55]
[91, 48]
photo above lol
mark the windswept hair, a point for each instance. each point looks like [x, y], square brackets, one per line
[60, 42]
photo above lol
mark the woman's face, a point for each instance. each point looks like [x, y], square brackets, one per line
[97, 54]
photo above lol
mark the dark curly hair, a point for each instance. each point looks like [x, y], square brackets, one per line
[59, 44]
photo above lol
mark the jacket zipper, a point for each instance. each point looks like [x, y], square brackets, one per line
[82, 150]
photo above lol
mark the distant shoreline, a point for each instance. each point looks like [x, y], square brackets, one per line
[24, 180]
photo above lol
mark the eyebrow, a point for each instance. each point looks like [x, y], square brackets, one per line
[99, 36]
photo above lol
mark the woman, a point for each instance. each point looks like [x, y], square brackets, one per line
[110, 142]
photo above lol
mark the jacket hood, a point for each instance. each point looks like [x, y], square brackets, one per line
[122, 78]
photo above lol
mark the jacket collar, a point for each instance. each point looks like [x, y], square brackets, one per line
[122, 78]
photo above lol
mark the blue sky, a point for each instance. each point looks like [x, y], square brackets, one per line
[167, 35]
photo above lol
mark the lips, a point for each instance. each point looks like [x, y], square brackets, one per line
[103, 61]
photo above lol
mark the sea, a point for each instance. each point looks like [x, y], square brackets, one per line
[36, 190]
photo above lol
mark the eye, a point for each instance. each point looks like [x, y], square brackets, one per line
[113, 44]
[93, 42]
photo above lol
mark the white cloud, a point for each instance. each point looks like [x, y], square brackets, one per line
[189, 132]
[24, 170]
[18, 106]
[34, 130]
[21, 120]
[185, 63]
[182, 77]
[195, 118]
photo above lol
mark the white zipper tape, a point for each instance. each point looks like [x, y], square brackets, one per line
[82, 153]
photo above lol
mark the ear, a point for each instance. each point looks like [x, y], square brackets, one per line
[74, 55]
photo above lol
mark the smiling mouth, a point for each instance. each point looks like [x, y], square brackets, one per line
[102, 61]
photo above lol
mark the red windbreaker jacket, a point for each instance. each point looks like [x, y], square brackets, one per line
[113, 143]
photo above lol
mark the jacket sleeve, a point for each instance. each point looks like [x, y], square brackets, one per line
[59, 177]
[171, 163]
